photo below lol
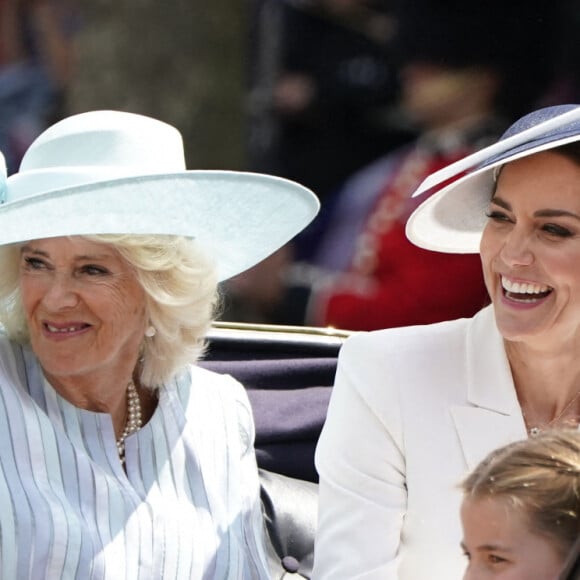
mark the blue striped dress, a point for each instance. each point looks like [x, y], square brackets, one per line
[186, 508]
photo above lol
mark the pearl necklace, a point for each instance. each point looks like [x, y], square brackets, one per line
[535, 430]
[134, 419]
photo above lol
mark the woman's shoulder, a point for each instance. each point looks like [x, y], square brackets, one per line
[217, 395]
[416, 349]
[383, 366]
[206, 384]
[206, 378]
[406, 339]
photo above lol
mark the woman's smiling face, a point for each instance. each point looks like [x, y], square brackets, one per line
[530, 248]
[84, 307]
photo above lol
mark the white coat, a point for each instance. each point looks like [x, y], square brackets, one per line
[412, 411]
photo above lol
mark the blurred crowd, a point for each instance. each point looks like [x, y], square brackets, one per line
[358, 100]
[362, 99]
[36, 65]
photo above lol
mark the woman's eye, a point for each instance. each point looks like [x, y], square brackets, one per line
[93, 270]
[32, 263]
[494, 559]
[497, 216]
[557, 230]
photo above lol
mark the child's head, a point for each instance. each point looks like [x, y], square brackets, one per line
[521, 508]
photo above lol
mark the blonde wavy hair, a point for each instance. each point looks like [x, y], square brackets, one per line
[181, 288]
[540, 477]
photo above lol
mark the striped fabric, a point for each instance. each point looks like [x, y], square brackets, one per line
[188, 506]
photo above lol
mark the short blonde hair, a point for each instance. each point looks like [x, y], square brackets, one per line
[181, 289]
[541, 478]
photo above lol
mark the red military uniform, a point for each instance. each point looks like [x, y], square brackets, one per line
[390, 281]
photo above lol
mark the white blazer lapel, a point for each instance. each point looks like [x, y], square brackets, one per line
[493, 416]
[481, 430]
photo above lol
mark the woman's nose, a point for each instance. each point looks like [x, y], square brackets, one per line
[60, 292]
[516, 249]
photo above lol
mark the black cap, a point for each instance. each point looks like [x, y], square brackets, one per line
[517, 40]
[464, 33]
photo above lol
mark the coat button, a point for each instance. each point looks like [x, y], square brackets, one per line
[290, 564]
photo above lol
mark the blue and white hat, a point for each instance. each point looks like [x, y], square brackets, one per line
[112, 172]
[452, 219]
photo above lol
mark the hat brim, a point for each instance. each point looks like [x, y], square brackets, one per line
[452, 220]
[239, 218]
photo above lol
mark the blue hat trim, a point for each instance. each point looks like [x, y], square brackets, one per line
[530, 120]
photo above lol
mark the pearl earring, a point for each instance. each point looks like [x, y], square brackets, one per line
[150, 332]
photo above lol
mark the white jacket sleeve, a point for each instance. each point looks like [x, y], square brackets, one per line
[360, 460]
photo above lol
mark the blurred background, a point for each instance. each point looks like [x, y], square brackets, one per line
[356, 99]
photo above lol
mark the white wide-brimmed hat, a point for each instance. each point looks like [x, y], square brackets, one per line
[452, 219]
[112, 172]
